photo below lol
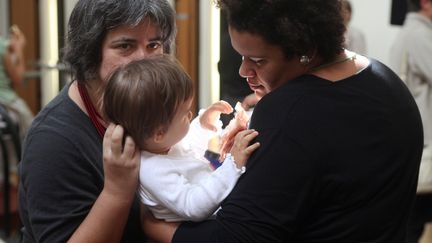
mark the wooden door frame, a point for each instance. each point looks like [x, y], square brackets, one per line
[187, 40]
[24, 13]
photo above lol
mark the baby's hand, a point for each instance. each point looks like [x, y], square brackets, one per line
[212, 113]
[237, 124]
[249, 101]
[241, 150]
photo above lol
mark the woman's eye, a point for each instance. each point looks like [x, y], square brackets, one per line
[154, 45]
[257, 61]
[124, 46]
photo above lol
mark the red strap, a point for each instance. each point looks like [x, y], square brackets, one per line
[94, 115]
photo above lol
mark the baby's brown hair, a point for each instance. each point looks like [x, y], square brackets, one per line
[143, 96]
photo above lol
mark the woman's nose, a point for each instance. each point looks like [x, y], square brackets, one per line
[245, 70]
[142, 51]
[137, 55]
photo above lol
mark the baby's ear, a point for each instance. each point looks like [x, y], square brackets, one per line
[159, 136]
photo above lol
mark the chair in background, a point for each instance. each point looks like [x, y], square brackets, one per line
[9, 135]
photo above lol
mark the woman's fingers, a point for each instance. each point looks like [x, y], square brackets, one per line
[106, 144]
[129, 148]
[116, 140]
[244, 137]
[241, 150]
[121, 163]
[252, 147]
[113, 148]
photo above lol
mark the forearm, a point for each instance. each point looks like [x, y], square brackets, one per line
[189, 200]
[203, 200]
[106, 220]
[157, 230]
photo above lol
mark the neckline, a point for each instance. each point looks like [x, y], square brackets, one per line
[348, 57]
[343, 80]
[91, 110]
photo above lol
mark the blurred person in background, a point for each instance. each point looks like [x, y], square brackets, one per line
[411, 59]
[12, 68]
[354, 38]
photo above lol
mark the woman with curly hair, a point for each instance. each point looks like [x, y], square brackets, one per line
[341, 136]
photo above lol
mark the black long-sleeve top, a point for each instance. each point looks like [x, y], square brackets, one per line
[338, 162]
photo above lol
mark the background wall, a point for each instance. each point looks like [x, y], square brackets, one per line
[373, 18]
[4, 17]
[209, 31]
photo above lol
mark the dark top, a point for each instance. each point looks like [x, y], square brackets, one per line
[61, 174]
[338, 162]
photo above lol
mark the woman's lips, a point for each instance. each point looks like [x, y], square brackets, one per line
[254, 86]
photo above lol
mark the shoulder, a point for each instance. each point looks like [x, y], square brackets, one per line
[172, 163]
[159, 167]
[4, 43]
[155, 165]
[310, 100]
[156, 169]
[62, 115]
[380, 73]
[61, 132]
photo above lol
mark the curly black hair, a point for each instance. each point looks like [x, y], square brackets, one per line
[299, 27]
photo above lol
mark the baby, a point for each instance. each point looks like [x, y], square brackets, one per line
[152, 100]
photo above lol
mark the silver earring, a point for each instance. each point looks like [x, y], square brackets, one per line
[305, 60]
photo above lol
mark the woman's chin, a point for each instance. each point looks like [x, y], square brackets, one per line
[259, 93]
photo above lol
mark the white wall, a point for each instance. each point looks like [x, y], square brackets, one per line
[209, 43]
[68, 6]
[373, 18]
[49, 53]
[4, 18]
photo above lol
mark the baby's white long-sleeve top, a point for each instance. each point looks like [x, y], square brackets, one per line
[181, 185]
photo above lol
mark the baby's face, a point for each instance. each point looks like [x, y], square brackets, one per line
[162, 142]
[180, 124]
